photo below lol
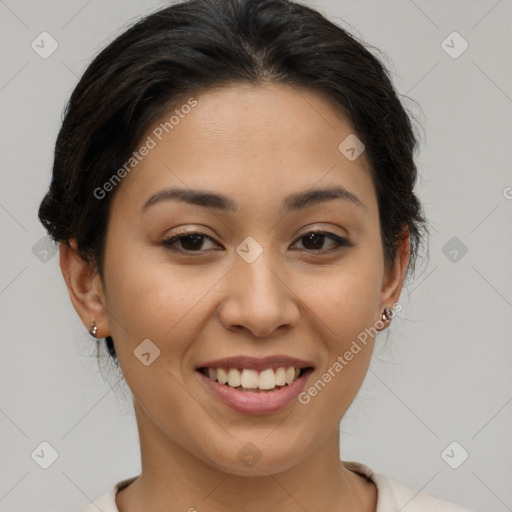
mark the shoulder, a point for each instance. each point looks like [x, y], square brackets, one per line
[394, 495]
[107, 502]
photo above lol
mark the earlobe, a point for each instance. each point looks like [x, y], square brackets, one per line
[85, 289]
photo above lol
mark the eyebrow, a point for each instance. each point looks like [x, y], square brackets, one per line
[208, 199]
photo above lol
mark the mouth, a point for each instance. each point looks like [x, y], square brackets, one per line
[254, 374]
[256, 392]
[255, 386]
[255, 381]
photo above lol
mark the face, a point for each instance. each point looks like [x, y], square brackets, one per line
[252, 281]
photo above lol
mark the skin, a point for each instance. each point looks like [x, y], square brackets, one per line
[256, 145]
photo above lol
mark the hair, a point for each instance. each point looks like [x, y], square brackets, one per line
[196, 45]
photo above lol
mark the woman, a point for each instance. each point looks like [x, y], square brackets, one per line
[233, 196]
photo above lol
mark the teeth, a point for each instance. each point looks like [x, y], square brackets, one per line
[249, 379]
[267, 379]
[234, 378]
[280, 376]
[290, 375]
[252, 379]
[222, 376]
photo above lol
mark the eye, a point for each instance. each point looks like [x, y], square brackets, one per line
[313, 241]
[192, 241]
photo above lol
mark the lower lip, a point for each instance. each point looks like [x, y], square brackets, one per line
[256, 403]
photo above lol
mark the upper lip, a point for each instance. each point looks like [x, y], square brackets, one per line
[256, 363]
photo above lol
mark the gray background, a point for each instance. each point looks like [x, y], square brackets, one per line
[443, 374]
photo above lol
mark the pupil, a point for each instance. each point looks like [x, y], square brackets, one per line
[313, 237]
[197, 242]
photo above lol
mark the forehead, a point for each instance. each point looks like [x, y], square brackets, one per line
[258, 142]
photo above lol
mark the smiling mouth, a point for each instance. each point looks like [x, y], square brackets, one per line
[255, 381]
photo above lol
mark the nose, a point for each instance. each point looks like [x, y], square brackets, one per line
[259, 298]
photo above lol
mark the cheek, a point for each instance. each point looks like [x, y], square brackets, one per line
[346, 307]
[144, 298]
[150, 298]
[347, 298]
[148, 302]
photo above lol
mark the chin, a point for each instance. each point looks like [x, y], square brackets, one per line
[246, 459]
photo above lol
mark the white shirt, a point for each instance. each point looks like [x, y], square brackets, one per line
[392, 495]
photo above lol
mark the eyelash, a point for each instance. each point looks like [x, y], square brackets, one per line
[340, 241]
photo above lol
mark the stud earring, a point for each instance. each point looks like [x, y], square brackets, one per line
[387, 314]
[93, 330]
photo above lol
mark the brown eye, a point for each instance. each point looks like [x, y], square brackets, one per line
[314, 241]
[190, 242]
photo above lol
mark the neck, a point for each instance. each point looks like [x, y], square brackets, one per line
[172, 478]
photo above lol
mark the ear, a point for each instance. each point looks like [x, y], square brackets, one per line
[394, 277]
[85, 288]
